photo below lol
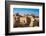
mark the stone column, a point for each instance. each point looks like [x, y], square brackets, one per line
[31, 23]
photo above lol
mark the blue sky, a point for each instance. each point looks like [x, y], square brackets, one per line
[26, 11]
